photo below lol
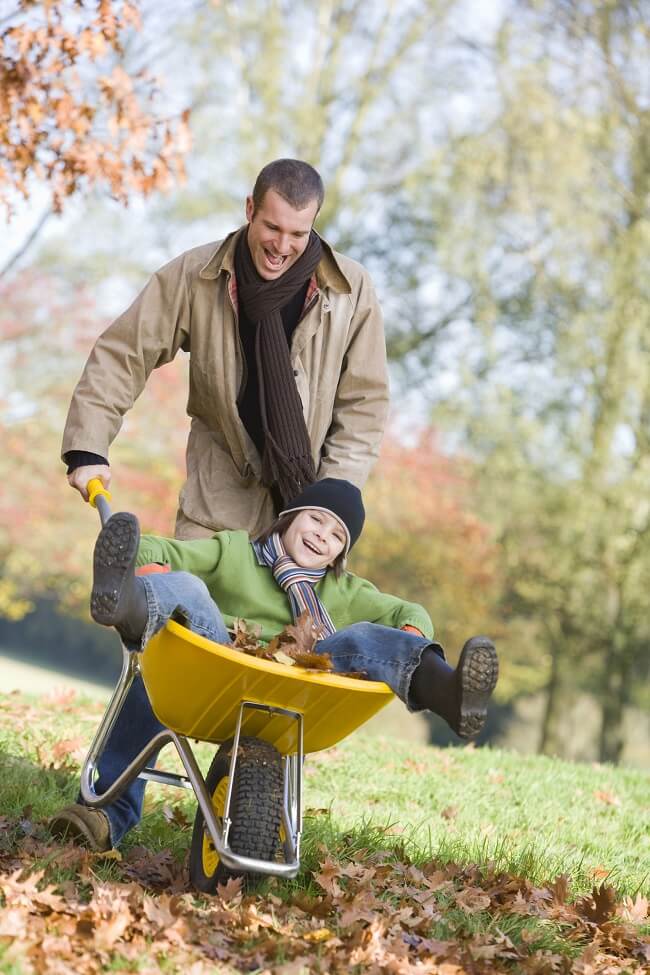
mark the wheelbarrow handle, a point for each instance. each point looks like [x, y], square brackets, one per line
[99, 497]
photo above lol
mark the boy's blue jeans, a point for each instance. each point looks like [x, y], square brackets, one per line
[383, 653]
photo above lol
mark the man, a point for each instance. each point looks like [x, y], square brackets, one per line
[288, 385]
[288, 376]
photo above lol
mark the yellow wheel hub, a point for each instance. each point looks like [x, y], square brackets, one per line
[209, 855]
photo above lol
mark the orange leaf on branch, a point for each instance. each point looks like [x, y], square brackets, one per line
[48, 110]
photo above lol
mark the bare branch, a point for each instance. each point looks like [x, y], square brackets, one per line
[27, 243]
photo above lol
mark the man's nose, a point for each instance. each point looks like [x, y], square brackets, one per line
[282, 243]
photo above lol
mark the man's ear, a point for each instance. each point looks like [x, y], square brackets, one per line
[250, 208]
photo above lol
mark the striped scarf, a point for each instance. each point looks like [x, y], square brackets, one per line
[297, 582]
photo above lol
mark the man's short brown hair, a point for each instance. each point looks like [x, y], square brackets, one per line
[294, 180]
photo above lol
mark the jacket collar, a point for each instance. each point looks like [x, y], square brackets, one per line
[328, 273]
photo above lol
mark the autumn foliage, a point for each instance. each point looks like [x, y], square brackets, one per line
[46, 531]
[69, 112]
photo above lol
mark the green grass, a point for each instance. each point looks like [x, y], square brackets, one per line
[529, 815]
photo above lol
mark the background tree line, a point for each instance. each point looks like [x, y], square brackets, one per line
[494, 175]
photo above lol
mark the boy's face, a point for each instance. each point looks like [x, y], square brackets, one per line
[314, 538]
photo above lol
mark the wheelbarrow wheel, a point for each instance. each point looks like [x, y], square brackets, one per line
[255, 812]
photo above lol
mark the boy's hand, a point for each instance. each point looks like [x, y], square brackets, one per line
[412, 629]
[79, 478]
[152, 568]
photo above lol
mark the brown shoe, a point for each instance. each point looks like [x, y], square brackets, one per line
[83, 825]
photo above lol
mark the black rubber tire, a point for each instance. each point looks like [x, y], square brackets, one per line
[255, 810]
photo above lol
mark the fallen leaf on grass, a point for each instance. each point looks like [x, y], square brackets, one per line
[321, 934]
[599, 872]
[484, 948]
[635, 911]
[559, 889]
[70, 746]
[599, 906]
[231, 889]
[162, 912]
[105, 855]
[60, 697]
[328, 876]
[176, 816]
[449, 812]
[472, 899]
[110, 930]
[608, 798]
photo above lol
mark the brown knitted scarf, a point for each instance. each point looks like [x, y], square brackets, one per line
[287, 465]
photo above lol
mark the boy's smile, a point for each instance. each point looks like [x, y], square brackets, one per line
[314, 539]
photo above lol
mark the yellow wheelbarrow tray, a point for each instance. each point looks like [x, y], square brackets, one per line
[211, 692]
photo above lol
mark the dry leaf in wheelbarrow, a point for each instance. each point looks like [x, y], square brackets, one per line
[295, 644]
[246, 638]
[298, 641]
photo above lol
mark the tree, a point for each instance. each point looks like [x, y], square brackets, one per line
[70, 115]
[554, 188]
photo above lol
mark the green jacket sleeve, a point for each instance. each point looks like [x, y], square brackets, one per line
[369, 605]
[200, 557]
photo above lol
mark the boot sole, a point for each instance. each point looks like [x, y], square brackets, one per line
[478, 669]
[70, 826]
[116, 549]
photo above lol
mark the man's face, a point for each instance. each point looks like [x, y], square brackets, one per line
[277, 234]
[314, 538]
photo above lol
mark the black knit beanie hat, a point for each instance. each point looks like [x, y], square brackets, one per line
[338, 497]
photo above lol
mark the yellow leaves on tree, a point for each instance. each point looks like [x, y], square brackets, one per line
[72, 116]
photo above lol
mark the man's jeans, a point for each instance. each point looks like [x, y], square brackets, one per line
[383, 653]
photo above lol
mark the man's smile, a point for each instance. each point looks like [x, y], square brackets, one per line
[275, 260]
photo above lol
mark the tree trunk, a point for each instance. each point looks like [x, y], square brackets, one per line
[557, 700]
[613, 698]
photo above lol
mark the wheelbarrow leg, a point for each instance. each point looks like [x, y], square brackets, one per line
[138, 765]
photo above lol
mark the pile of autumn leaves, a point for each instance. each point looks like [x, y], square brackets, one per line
[375, 914]
[295, 645]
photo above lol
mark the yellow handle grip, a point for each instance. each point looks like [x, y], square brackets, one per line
[95, 487]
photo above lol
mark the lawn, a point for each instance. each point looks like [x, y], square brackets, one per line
[415, 859]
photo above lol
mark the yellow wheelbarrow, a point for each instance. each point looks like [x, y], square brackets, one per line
[265, 717]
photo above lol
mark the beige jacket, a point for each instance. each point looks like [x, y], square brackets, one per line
[339, 360]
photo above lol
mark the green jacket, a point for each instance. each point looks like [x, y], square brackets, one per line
[242, 588]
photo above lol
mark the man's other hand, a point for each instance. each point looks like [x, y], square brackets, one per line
[79, 478]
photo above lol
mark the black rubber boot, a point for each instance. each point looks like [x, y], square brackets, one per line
[118, 597]
[459, 696]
